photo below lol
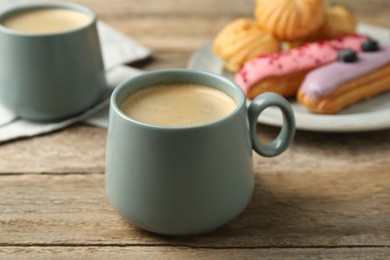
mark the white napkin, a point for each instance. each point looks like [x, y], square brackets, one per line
[117, 49]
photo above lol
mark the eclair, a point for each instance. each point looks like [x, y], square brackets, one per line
[283, 72]
[355, 77]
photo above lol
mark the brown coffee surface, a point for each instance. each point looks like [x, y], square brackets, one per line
[46, 20]
[178, 104]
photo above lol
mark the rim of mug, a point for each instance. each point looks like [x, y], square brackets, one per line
[26, 7]
[240, 98]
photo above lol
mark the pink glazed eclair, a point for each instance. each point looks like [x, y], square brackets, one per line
[331, 88]
[283, 72]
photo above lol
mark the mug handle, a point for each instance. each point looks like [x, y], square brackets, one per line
[286, 135]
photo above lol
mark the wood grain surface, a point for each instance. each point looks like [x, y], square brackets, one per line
[327, 197]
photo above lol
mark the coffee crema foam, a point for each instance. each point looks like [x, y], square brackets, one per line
[178, 104]
[46, 20]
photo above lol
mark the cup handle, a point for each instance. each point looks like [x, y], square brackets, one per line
[286, 134]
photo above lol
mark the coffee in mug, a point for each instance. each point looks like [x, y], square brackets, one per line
[46, 20]
[51, 65]
[178, 104]
[192, 179]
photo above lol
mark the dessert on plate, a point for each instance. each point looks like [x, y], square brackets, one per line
[290, 20]
[352, 78]
[338, 22]
[283, 72]
[242, 40]
[292, 47]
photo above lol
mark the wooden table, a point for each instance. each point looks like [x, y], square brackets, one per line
[328, 196]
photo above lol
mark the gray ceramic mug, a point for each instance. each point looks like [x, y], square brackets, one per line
[187, 180]
[50, 76]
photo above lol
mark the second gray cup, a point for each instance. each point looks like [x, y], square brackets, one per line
[50, 76]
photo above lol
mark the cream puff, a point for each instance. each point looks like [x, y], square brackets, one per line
[242, 40]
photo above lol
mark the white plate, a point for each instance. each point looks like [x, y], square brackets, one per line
[373, 114]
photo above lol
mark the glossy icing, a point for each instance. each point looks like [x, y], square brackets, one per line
[305, 57]
[326, 79]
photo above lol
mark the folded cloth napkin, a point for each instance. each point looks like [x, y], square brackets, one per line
[117, 49]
